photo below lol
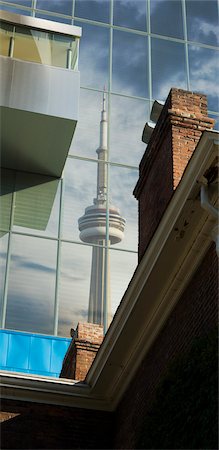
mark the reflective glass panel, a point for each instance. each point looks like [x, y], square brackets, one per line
[86, 137]
[204, 73]
[128, 117]
[202, 21]
[3, 256]
[94, 10]
[166, 18]
[63, 6]
[122, 183]
[32, 215]
[94, 55]
[53, 18]
[168, 67]
[13, 9]
[74, 286]
[216, 118]
[80, 185]
[130, 75]
[122, 267]
[27, 3]
[31, 290]
[130, 14]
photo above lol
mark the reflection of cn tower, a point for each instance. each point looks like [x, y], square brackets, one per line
[93, 229]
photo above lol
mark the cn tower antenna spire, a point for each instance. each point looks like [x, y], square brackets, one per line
[93, 229]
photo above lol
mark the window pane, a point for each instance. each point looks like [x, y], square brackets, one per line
[168, 67]
[130, 14]
[128, 117]
[94, 10]
[32, 215]
[13, 9]
[216, 118]
[86, 137]
[80, 185]
[93, 55]
[122, 183]
[31, 289]
[122, 266]
[3, 256]
[74, 286]
[166, 18]
[63, 6]
[130, 64]
[20, 2]
[54, 18]
[204, 71]
[202, 21]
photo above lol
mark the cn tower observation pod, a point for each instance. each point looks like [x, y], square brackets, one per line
[39, 92]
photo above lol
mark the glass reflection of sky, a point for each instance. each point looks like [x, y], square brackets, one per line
[58, 6]
[95, 10]
[94, 56]
[168, 67]
[130, 63]
[202, 21]
[124, 69]
[128, 117]
[123, 182]
[204, 73]
[130, 14]
[79, 192]
[166, 18]
[31, 290]
[74, 286]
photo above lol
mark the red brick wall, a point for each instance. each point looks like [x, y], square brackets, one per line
[194, 315]
[82, 351]
[177, 132]
[40, 426]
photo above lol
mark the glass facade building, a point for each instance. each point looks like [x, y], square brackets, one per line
[135, 50]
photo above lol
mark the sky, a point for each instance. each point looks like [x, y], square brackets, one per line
[32, 280]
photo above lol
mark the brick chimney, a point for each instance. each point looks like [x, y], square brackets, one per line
[172, 143]
[86, 341]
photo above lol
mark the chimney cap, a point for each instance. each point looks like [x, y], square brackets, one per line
[156, 110]
[147, 131]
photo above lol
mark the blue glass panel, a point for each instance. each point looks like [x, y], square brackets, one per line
[3, 347]
[168, 67]
[59, 349]
[130, 63]
[94, 10]
[63, 6]
[130, 14]
[204, 71]
[40, 354]
[20, 2]
[166, 18]
[202, 21]
[18, 351]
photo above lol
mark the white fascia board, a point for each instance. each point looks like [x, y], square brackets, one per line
[57, 391]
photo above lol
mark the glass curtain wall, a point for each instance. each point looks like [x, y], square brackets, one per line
[135, 50]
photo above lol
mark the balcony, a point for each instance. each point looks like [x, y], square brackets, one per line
[39, 93]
